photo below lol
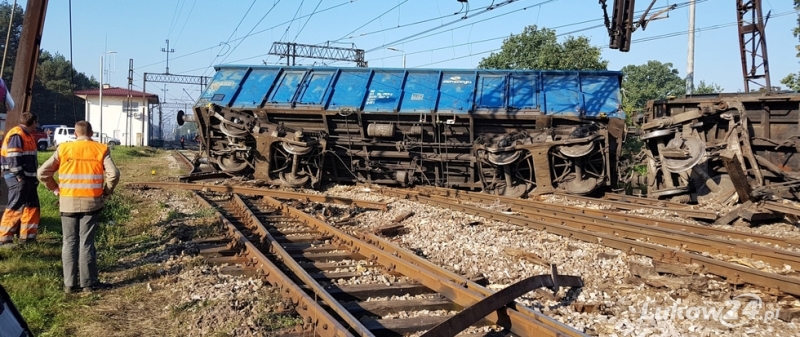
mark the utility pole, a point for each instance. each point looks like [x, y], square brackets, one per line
[167, 50]
[161, 115]
[129, 109]
[27, 58]
[690, 54]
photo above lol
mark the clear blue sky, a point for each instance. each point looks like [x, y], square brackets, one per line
[199, 29]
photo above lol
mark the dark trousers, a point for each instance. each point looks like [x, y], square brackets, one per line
[22, 210]
[78, 254]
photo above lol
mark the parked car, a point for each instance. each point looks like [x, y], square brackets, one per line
[111, 141]
[52, 128]
[63, 135]
[42, 139]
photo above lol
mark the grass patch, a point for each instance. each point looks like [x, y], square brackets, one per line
[32, 274]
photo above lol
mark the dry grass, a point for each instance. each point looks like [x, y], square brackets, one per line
[130, 254]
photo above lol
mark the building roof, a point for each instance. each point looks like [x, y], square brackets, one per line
[117, 92]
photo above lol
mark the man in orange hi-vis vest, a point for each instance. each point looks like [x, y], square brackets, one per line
[86, 177]
[19, 162]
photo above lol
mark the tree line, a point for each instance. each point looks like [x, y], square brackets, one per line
[52, 99]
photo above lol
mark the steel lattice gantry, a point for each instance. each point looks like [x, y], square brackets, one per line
[170, 78]
[753, 44]
[291, 50]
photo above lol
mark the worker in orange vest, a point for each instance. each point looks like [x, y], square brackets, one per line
[19, 162]
[87, 176]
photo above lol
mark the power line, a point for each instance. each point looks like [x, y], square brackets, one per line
[286, 32]
[371, 21]
[307, 20]
[255, 33]
[402, 26]
[647, 39]
[174, 14]
[511, 35]
[504, 3]
[184, 22]
[234, 30]
[684, 4]
[248, 33]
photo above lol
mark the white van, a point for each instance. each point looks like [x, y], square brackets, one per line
[63, 135]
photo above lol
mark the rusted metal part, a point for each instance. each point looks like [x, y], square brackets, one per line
[533, 206]
[475, 313]
[628, 202]
[519, 309]
[263, 192]
[399, 262]
[289, 261]
[186, 161]
[782, 208]
[197, 176]
[734, 273]
[752, 44]
[574, 217]
[734, 168]
[315, 317]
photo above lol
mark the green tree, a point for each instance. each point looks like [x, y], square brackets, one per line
[652, 80]
[704, 88]
[793, 80]
[52, 97]
[536, 48]
[13, 43]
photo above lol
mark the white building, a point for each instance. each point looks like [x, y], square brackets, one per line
[131, 125]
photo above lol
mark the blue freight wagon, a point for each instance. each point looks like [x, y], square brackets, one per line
[509, 132]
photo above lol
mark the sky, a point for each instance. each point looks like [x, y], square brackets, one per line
[431, 34]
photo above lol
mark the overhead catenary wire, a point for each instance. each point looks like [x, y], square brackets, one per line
[174, 16]
[251, 34]
[502, 4]
[251, 30]
[188, 16]
[402, 25]
[234, 31]
[307, 20]
[371, 21]
[286, 32]
[640, 40]
[685, 4]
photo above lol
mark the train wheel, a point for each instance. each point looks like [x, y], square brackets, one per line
[231, 164]
[578, 169]
[294, 166]
[509, 174]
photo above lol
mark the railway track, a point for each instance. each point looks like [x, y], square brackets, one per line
[628, 202]
[624, 233]
[305, 256]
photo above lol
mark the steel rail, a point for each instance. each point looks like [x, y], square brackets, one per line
[393, 249]
[315, 317]
[627, 202]
[276, 249]
[262, 192]
[735, 274]
[663, 236]
[511, 319]
[186, 161]
[782, 208]
[524, 205]
[636, 200]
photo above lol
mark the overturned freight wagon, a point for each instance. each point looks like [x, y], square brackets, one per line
[716, 146]
[504, 132]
